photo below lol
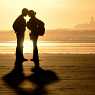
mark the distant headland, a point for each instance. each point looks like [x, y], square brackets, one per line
[86, 26]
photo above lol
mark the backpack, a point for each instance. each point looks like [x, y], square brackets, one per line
[19, 24]
[15, 26]
[40, 28]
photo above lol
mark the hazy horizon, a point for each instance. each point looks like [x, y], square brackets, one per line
[56, 35]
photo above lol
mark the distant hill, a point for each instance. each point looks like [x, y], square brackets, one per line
[70, 35]
[86, 26]
[7, 36]
[63, 35]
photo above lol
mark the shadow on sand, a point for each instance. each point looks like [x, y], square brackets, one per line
[40, 78]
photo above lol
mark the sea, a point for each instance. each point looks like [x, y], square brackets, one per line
[51, 47]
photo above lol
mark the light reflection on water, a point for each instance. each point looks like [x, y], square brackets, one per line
[50, 47]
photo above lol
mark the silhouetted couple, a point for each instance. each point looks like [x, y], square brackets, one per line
[19, 27]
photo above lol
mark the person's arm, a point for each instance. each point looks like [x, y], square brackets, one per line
[29, 26]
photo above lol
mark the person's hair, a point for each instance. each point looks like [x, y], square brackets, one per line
[31, 13]
[24, 11]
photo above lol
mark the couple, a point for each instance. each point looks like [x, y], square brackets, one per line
[19, 27]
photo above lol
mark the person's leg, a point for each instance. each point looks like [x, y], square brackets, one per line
[19, 49]
[35, 53]
[21, 44]
[18, 64]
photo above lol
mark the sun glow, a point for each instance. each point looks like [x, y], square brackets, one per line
[49, 47]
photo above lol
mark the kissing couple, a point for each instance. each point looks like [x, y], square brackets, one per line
[36, 28]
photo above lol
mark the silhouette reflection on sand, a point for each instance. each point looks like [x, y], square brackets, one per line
[40, 78]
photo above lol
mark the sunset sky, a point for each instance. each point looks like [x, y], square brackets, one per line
[55, 13]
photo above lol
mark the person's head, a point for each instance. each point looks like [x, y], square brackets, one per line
[24, 11]
[31, 13]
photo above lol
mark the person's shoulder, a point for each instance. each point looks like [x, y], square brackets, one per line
[39, 21]
[18, 18]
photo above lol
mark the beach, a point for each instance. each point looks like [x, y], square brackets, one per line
[57, 34]
[75, 74]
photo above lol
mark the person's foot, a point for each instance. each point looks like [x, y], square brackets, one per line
[24, 59]
[36, 68]
[31, 59]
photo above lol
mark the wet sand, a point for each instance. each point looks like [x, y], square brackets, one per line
[74, 75]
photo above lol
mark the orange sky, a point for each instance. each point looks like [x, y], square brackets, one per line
[55, 13]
